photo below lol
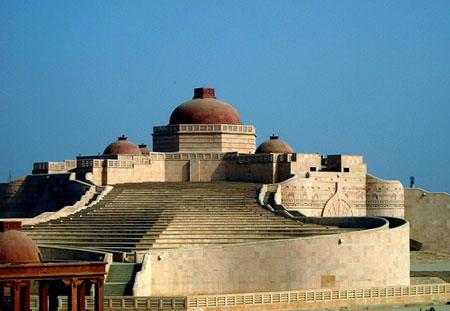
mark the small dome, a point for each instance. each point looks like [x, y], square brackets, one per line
[144, 149]
[122, 146]
[15, 246]
[274, 145]
[204, 108]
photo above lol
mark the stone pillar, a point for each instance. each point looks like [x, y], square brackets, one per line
[99, 294]
[43, 296]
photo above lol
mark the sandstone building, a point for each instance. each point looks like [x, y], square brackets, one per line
[205, 141]
[205, 211]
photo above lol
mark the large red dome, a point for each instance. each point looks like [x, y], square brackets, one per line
[122, 146]
[15, 246]
[274, 145]
[204, 108]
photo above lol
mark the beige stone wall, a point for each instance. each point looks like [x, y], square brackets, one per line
[177, 170]
[429, 216]
[122, 169]
[136, 173]
[252, 168]
[95, 175]
[377, 257]
[304, 162]
[355, 164]
[204, 138]
[384, 197]
[213, 170]
[326, 194]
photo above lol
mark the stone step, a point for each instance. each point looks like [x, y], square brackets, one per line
[179, 227]
[185, 230]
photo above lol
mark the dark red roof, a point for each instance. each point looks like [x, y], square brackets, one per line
[122, 146]
[204, 108]
[274, 145]
[15, 246]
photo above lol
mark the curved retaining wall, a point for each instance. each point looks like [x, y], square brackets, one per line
[373, 257]
[36, 194]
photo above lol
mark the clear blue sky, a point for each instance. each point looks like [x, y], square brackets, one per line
[351, 77]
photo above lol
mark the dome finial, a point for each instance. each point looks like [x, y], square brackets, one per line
[204, 92]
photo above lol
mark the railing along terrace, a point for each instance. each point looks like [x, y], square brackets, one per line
[55, 166]
[203, 128]
[232, 300]
[125, 303]
[316, 295]
[195, 156]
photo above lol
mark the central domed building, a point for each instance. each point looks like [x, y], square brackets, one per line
[204, 124]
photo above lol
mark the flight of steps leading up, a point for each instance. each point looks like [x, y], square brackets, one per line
[120, 279]
[160, 215]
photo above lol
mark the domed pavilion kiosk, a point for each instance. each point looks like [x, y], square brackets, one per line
[204, 124]
[21, 265]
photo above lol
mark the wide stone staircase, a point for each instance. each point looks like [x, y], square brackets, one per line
[161, 215]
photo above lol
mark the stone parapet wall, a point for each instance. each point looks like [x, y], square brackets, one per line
[384, 197]
[331, 261]
[54, 167]
[325, 194]
[429, 216]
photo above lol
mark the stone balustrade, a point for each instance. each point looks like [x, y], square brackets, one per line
[276, 300]
[189, 128]
[331, 298]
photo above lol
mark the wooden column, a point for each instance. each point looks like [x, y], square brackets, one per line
[81, 296]
[15, 295]
[72, 297]
[25, 295]
[99, 294]
[43, 296]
